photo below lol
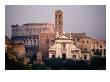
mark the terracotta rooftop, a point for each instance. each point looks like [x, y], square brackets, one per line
[76, 35]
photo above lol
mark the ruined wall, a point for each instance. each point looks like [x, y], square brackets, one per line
[45, 40]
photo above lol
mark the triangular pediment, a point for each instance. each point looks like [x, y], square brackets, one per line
[64, 36]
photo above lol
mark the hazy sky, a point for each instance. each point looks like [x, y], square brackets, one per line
[88, 19]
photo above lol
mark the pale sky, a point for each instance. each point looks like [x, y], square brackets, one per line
[88, 19]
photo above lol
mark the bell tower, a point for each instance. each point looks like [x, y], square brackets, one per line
[58, 22]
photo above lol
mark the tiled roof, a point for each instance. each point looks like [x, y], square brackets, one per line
[76, 35]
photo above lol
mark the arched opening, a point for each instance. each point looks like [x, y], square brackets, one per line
[64, 56]
[74, 57]
[97, 52]
[85, 57]
[53, 56]
[93, 51]
[100, 51]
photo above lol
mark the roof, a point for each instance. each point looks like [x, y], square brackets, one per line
[63, 36]
[76, 35]
[79, 35]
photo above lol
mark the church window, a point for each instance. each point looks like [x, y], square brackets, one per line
[87, 41]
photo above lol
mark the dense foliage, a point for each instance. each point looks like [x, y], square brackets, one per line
[96, 63]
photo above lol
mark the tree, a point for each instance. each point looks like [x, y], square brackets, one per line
[98, 63]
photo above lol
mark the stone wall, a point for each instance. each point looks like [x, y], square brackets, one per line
[45, 40]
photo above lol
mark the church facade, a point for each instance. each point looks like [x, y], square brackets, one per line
[64, 47]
